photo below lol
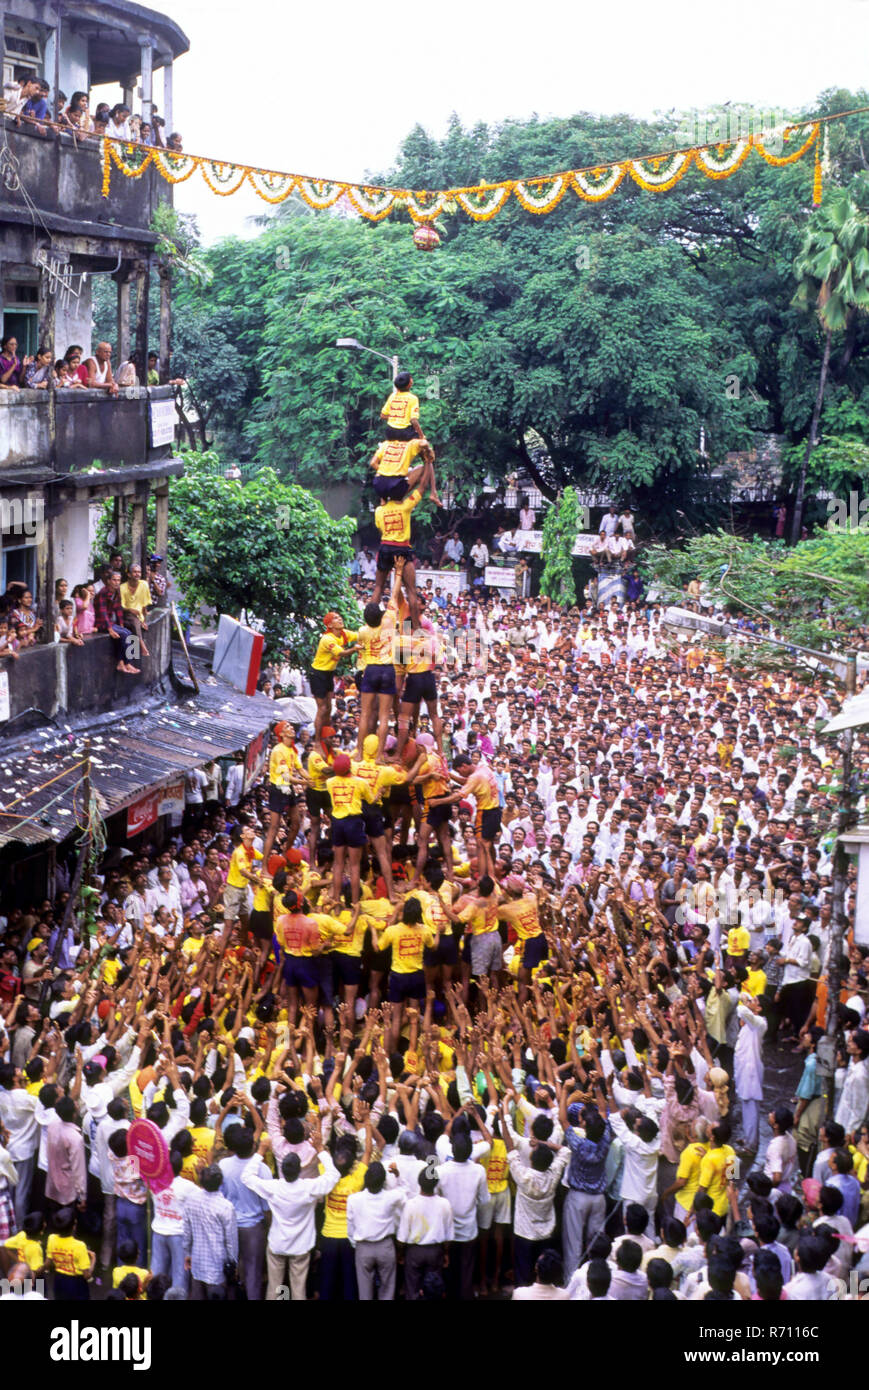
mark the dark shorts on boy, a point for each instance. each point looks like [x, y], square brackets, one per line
[348, 831]
[534, 951]
[378, 679]
[261, 925]
[410, 986]
[318, 803]
[420, 685]
[281, 801]
[488, 824]
[322, 683]
[375, 825]
[390, 485]
[386, 557]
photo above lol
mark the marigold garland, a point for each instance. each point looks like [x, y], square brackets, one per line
[654, 173]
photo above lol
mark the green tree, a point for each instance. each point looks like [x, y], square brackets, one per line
[265, 550]
[812, 594]
[560, 528]
[833, 273]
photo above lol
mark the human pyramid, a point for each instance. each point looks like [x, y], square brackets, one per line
[369, 798]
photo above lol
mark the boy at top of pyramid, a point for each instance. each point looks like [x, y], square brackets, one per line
[401, 411]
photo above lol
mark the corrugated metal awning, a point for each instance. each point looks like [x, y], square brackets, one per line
[130, 757]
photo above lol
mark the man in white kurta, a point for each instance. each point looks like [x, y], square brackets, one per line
[748, 1068]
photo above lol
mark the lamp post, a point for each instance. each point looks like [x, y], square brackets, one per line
[356, 346]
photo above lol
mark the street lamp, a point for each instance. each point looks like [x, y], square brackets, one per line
[360, 347]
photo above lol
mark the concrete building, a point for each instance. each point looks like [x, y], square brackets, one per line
[64, 453]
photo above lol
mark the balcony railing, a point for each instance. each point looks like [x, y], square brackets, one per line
[117, 432]
[62, 175]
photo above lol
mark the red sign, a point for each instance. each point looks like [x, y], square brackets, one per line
[145, 1143]
[143, 813]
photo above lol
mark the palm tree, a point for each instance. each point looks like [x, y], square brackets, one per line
[833, 273]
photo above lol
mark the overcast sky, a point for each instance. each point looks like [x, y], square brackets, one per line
[330, 90]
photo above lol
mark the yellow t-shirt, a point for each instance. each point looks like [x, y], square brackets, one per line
[283, 762]
[241, 859]
[30, 1251]
[401, 409]
[484, 789]
[407, 944]
[433, 906]
[319, 769]
[435, 775]
[376, 642]
[483, 916]
[330, 650]
[120, 1272]
[715, 1170]
[347, 795]
[755, 982]
[423, 651]
[522, 916]
[203, 1143]
[68, 1255]
[377, 776]
[191, 946]
[335, 1218]
[497, 1169]
[394, 457]
[392, 519]
[136, 602]
[690, 1161]
[352, 945]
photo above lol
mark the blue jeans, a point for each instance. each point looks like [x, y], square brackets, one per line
[132, 1224]
[167, 1257]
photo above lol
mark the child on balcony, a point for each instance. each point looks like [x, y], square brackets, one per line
[8, 644]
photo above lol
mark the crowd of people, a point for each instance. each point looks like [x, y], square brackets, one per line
[473, 994]
[28, 101]
[75, 370]
[116, 603]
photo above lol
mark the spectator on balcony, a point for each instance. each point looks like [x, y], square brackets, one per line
[24, 615]
[135, 601]
[118, 123]
[109, 616]
[10, 364]
[64, 626]
[83, 597]
[61, 592]
[146, 134]
[36, 372]
[159, 126]
[77, 369]
[36, 109]
[24, 637]
[103, 112]
[8, 645]
[99, 370]
[174, 143]
[17, 94]
[128, 372]
[63, 380]
[77, 114]
[153, 373]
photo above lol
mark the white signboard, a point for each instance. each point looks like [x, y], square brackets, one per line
[528, 542]
[500, 577]
[164, 418]
[450, 582]
[584, 543]
[172, 799]
[4, 696]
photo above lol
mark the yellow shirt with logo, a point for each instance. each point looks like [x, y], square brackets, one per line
[392, 519]
[241, 859]
[377, 776]
[522, 917]
[394, 457]
[482, 916]
[68, 1255]
[401, 409]
[715, 1172]
[319, 768]
[283, 762]
[407, 944]
[335, 1218]
[481, 785]
[347, 795]
[690, 1162]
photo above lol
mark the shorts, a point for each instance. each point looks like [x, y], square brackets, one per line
[378, 680]
[348, 831]
[234, 902]
[325, 974]
[534, 951]
[261, 925]
[401, 432]
[322, 683]
[318, 803]
[348, 969]
[375, 825]
[300, 972]
[495, 1211]
[487, 824]
[386, 557]
[401, 987]
[436, 816]
[486, 953]
[391, 485]
[281, 801]
[445, 953]
[378, 962]
[420, 685]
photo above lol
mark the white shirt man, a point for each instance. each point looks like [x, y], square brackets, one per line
[480, 555]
